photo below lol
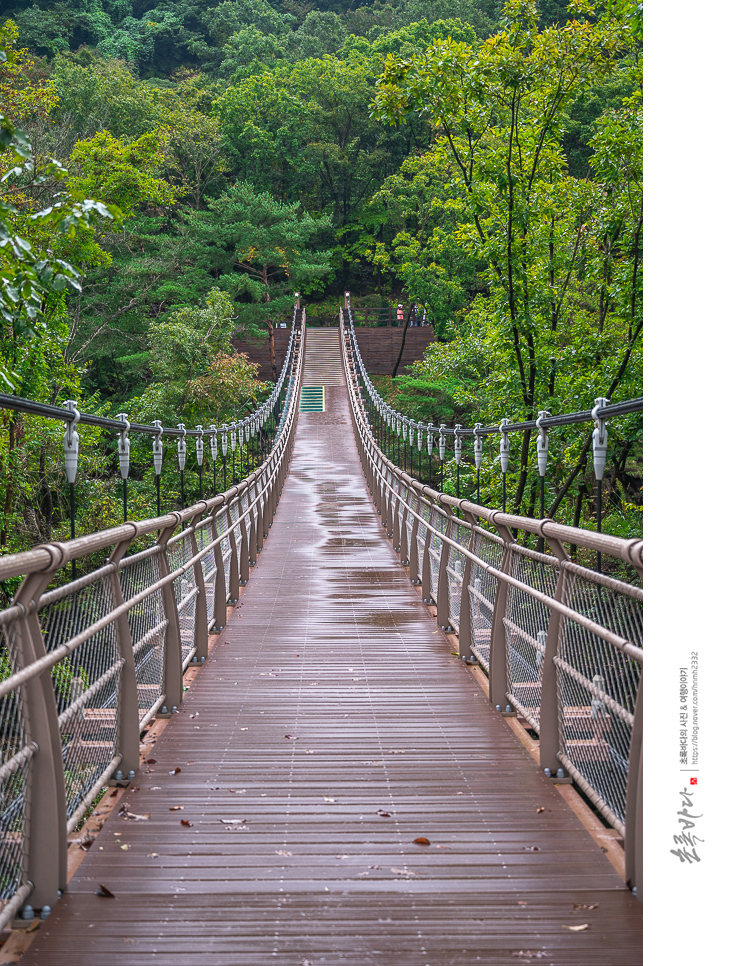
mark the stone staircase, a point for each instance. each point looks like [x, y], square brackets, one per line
[322, 362]
[322, 367]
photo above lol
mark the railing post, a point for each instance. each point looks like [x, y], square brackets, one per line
[201, 602]
[388, 506]
[233, 581]
[634, 840]
[550, 710]
[244, 560]
[413, 551]
[260, 507]
[172, 675]
[395, 530]
[404, 533]
[253, 524]
[465, 626]
[442, 593]
[220, 591]
[426, 562]
[127, 723]
[498, 637]
[45, 815]
[269, 503]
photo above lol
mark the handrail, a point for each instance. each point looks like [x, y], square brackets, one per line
[238, 432]
[601, 411]
[34, 408]
[561, 644]
[87, 666]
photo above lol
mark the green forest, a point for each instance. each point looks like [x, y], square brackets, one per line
[173, 172]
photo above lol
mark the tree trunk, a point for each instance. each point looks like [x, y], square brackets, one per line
[8, 502]
[272, 349]
[402, 347]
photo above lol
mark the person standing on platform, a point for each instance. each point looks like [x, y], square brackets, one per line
[399, 314]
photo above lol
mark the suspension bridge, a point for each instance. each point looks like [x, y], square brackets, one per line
[341, 718]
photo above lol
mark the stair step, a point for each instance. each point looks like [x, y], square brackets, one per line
[311, 399]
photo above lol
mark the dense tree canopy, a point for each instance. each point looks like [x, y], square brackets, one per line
[175, 171]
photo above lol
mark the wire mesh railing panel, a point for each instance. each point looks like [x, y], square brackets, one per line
[483, 594]
[179, 555]
[147, 626]
[439, 521]
[205, 537]
[15, 754]
[598, 684]
[86, 683]
[461, 534]
[526, 626]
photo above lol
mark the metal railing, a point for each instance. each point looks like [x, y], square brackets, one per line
[87, 665]
[561, 644]
[260, 425]
[395, 426]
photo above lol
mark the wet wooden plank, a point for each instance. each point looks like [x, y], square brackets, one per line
[330, 729]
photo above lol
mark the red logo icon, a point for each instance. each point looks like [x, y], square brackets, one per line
[693, 781]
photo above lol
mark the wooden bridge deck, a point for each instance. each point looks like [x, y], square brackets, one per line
[330, 729]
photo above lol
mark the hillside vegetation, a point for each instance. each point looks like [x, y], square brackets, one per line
[175, 171]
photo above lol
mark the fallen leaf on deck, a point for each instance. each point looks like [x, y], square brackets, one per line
[584, 905]
[291, 737]
[184, 821]
[402, 871]
[101, 890]
[125, 847]
[582, 928]
[150, 761]
[153, 855]
[531, 848]
[283, 852]
[540, 809]
[422, 840]
[175, 771]
[382, 814]
[233, 821]
[329, 799]
[176, 808]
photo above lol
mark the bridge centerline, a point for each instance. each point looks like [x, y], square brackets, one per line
[341, 780]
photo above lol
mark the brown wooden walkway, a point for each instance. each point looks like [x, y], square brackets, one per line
[331, 728]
